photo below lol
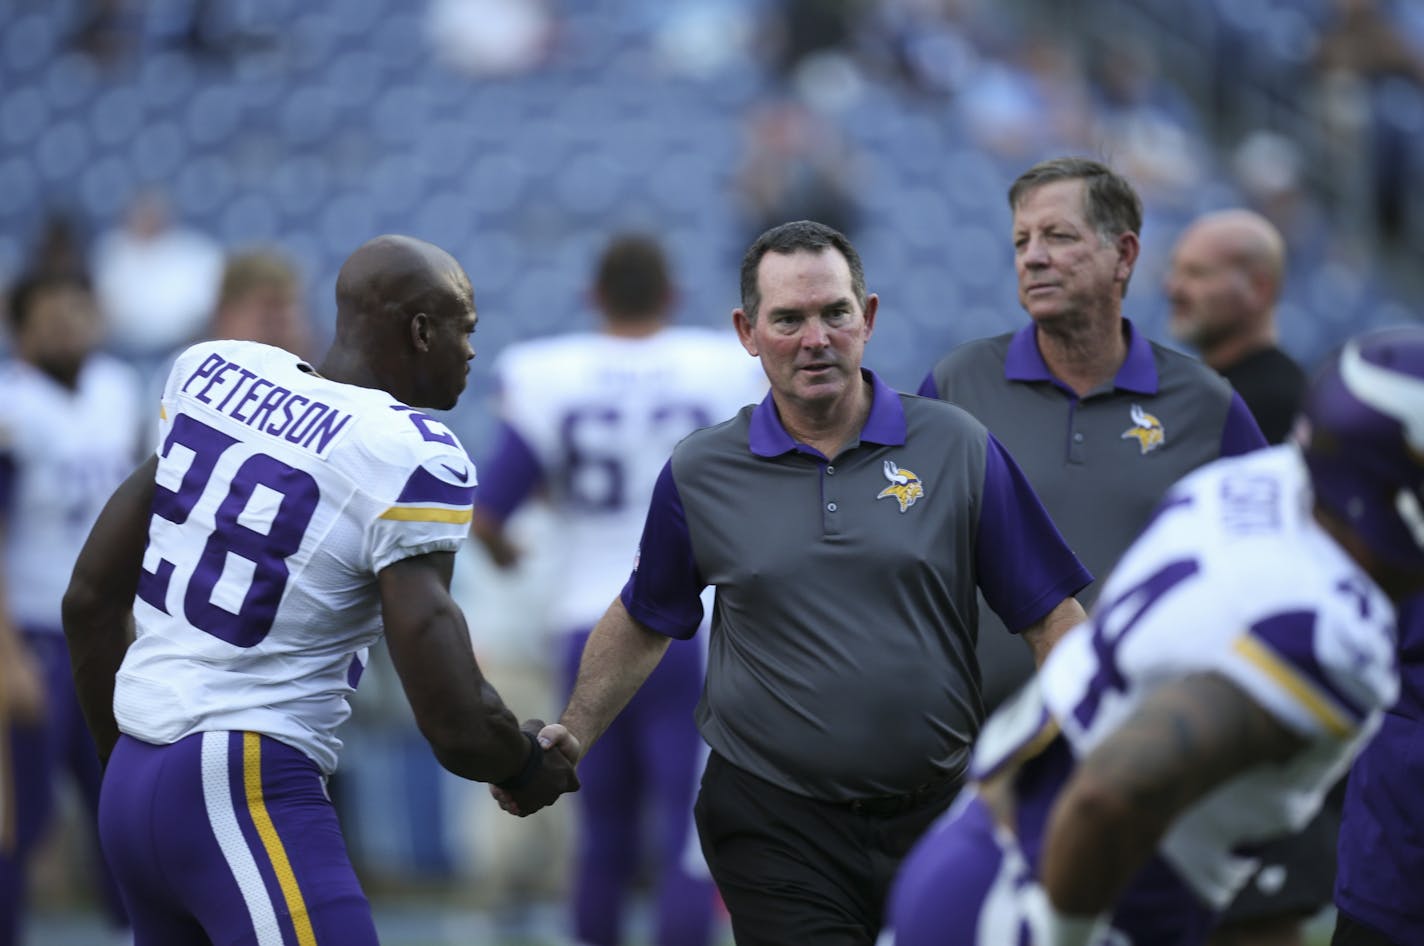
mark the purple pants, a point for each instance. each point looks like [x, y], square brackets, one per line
[643, 772]
[958, 887]
[35, 755]
[964, 882]
[229, 838]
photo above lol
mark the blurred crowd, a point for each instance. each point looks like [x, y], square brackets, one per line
[205, 166]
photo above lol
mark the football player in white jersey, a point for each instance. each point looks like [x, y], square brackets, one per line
[589, 419]
[70, 428]
[290, 516]
[1240, 656]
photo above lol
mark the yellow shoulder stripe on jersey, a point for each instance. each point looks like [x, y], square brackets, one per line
[272, 841]
[1320, 705]
[428, 514]
[162, 411]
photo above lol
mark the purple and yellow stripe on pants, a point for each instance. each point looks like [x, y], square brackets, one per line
[250, 867]
[230, 832]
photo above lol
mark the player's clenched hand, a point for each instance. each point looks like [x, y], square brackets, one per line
[546, 776]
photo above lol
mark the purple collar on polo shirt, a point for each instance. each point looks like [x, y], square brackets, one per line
[1138, 373]
[885, 425]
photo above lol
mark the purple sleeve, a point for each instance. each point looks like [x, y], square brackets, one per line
[510, 477]
[1241, 433]
[1025, 567]
[928, 388]
[663, 591]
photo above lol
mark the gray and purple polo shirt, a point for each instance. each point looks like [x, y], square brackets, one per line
[1101, 462]
[842, 646]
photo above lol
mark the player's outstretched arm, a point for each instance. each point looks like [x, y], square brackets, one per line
[1187, 738]
[466, 723]
[619, 656]
[98, 604]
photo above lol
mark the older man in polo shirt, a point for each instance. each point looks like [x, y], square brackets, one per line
[846, 528]
[1100, 419]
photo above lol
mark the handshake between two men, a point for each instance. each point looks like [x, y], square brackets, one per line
[548, 773]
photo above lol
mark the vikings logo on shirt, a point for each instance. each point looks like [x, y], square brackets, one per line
[904, 485]
[1146, 430]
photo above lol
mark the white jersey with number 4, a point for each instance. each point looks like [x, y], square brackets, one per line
[1233, 577]
[280, 495]
[601, 414]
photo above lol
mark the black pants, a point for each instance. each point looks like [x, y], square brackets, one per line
[1351, 932]
[793, 869]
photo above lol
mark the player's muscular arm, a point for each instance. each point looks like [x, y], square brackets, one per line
[98, 604]
[619, 656]
[1185, 740]
[1043, 634]
[466, 723]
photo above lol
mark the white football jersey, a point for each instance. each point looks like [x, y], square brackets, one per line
[601, 414]
[1234, 576]
[69, 449]
[280, 496]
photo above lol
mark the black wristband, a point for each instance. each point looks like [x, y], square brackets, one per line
[532, 765]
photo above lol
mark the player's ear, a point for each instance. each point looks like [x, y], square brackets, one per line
[420, 329]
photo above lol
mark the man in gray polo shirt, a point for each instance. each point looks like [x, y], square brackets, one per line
[846, 528]
[1101, 420]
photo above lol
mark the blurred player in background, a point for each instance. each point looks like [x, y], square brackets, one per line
[588, 419]
[289, 519]
[1240, 655]
[70, 427]
[1225, 279]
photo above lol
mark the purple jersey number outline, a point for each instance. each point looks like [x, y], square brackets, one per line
[267, 551]
[1105, 641]
[583, 461]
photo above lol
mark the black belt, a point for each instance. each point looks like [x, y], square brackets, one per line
[886, 806]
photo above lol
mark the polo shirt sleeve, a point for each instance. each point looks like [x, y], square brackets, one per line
[1240, 434]
[928, 388]
[663, 593]
[510, 477]
[1025, 568]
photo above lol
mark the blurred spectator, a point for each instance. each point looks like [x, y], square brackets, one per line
[156, 281]
[1372, 82]
[1145, 122]
[490, 37]
[796, 166]
[704, 38]
[799, 29]
[1269, 169]
[1035, 100]
[927, 43]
